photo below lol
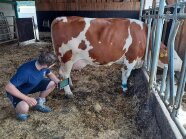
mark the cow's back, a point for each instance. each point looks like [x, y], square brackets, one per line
[99, 40]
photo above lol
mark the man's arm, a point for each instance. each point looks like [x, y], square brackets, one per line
[53, 77]
[10, 88]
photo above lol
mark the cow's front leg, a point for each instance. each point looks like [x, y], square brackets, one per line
[126, 71]
[70, 82]
[125, 76]
[64, 72]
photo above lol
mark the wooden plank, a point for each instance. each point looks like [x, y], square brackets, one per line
[109, 1]
[87, 6]
[94, 1]
[82, 1]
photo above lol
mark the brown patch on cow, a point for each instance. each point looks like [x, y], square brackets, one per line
[82, 45]
[138, 46]
[67, 56]
[62, 32]
[107, 37]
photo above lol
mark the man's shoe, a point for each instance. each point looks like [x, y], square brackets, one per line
[42, 108]
[22, 117]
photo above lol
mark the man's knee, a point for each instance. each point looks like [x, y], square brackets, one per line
[51, 85]
[22, 107]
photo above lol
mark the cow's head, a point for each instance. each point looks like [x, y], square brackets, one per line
[163, 58]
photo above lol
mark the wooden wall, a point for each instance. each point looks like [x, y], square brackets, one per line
[90, 5]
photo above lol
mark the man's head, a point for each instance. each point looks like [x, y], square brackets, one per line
[46, 58]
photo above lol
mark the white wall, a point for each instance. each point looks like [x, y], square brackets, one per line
[27, 11]
[148, 4]
[7, 9]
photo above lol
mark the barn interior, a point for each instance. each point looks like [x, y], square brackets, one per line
[99, 109]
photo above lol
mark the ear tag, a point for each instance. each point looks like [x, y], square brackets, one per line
[162, 55]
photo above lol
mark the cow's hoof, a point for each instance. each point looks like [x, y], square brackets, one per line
[125, 93]
[69, 96]
[124, 87]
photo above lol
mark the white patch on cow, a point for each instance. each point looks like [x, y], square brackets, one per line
[139, 63]
[140, 23]
[111, 43]
[177, 62]
[126, 72]
[99, 42]
[119, 61]
[64, 19]
[182, 116]
[128, 41]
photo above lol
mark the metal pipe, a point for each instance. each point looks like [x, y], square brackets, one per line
[167, 91]
[7, 33]
[153, 36]
[171, 61]
[181, 85]
[149, 62]
[162, 89]
[167, 16]
[168, 6]
[141, 9]
[181, 128]
[157, 44]
[171, 40]
[180, 88]
[16, 30]
[148, 39]
[8, 41]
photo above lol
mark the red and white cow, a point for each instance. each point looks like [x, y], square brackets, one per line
[80, 41]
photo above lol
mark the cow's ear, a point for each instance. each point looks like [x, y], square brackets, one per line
[163, 46]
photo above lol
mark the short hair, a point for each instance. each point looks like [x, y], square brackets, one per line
[46, 58]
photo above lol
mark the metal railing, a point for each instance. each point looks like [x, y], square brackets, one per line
[155, 18]
[8, 32]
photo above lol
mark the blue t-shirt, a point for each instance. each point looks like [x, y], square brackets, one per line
[28, 77]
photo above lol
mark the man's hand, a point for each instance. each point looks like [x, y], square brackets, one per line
[31, 101]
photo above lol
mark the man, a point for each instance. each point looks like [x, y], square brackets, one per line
[31, 77]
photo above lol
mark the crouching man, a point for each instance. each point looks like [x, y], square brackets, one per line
[31, 77]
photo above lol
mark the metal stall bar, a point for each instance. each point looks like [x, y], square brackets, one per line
[141, 9]
[179, 96]
[175, 26]
[171, 40]
[6, 35]
[148, 40]
[169, 98]
[154, 27]
[162, 89]
[181, 84]
[157, 44]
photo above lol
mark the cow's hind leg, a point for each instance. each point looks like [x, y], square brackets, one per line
[126, 71]
[64, 72]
